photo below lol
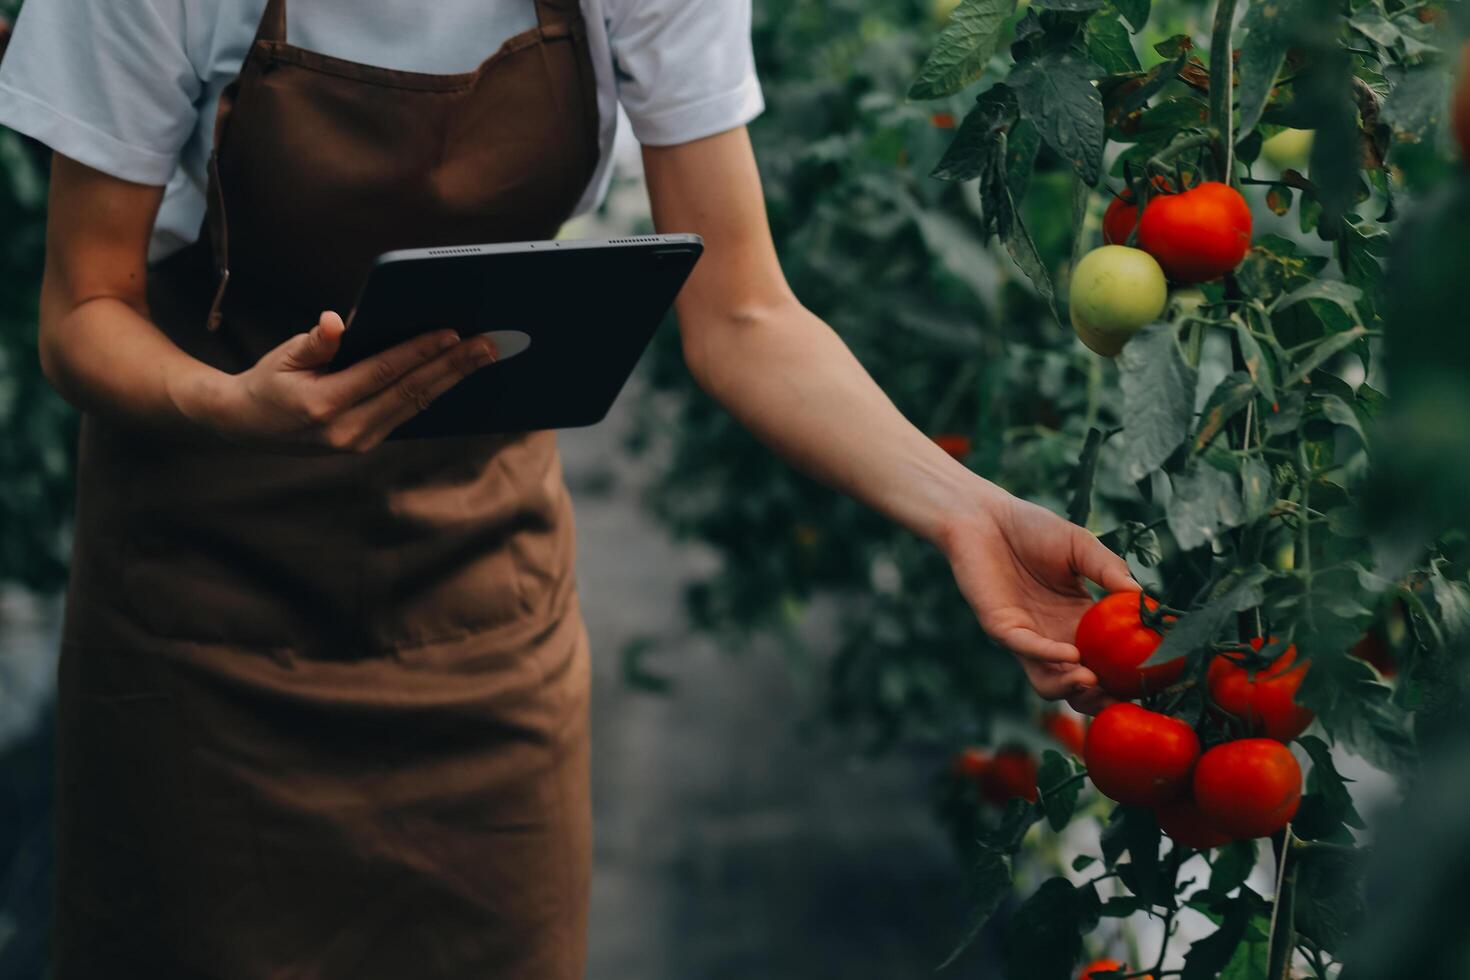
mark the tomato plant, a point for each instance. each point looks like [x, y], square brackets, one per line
[1227, 449]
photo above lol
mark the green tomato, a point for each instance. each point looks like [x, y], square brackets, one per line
[1288, 148]
[1115, 291]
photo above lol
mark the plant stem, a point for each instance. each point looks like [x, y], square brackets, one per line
[1222, 96]
[1177, 147]
[1283, 914]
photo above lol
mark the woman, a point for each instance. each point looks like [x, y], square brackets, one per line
[323, 699]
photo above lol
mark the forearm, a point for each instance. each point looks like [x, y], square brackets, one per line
[105, 357]
[789, 379]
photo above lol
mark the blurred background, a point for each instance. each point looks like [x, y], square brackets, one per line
[781, 680]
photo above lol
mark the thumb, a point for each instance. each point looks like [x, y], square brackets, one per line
[317, 346]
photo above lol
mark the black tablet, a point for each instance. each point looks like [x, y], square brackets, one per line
[569, 318]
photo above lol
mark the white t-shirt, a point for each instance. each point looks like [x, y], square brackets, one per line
[129, 87]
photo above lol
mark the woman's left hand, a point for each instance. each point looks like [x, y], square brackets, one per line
[1021, 569]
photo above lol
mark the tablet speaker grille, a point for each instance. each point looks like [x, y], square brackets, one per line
[464, 250]
[631, 241]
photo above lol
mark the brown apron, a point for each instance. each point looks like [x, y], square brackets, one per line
[326, 717]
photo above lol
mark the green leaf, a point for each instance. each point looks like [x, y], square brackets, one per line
[1418, 102]
[1081, 504]
[1332, 290]
[1070, 6]
[1255, 361]
[1194, 630]
[1136, 11]
[1257, 489]
[1056, 93]
[1232, 394]
[1371, 23]
[1022, 144]
[1339, 411]
[1158, 399]
[1082, 862]
[1058, 800]
[1018, 817]
[1110, 46]
[1233, 865]
[1324, 351]
[1327, 808]
[1205, 503]
[1329, 896]
[1250, 959]
[981, 135]
[1046, 933]
[989, 883]
[1350, 702]
[1023, 252]
[1208, 956]
[963, 49]
[1122, 906]
[1137, 832]
[1269, 31]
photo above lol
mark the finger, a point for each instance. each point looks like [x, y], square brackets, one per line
[1091, 701]
[372, 375]
[1032, 645]
[1093, 559]
[317, 346]
[416, 391]
[1054, 685]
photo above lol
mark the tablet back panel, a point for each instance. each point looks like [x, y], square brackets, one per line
[589, 307]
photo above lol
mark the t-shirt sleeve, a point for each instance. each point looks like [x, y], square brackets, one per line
[684, 68]
[105, 82]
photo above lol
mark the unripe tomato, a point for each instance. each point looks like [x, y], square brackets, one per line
[1067, 729]
[1095, 969]
[1248, 788]
[971, 763]
[1288, 148]
[1012, 773]
[1198, 235]
[1186, 824]
[1113, 641]
[1460, 111]
[956, 445]
[1115, 291]
[1138, 756]
[1373, 649]
[1267, 703]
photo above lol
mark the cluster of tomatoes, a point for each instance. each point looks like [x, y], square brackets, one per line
[1011, 771]
[1190, 237]
[1240, 788]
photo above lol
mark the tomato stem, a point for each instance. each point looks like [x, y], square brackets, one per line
[1283, 913]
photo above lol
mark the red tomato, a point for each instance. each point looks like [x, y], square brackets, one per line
[1373, 648]
[1113, 641]
[942, 120]
[1182, 820]
[972, 763]
[1069, 730]
[1460, 111]
[1197, 235]
[1012, 773]
[956, 445]
[1138, 756]
[1248, 788]
[1267, 703]
[1104, 966]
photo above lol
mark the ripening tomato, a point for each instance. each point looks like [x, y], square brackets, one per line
[1267, 702]
[1373, 649]
[1095, 970]
[972, 763]
[956, 445]
[1197, 235]
[1248, 788]
[942, 120]
[1115, 292]
[1069, 730]
[1012, 773]
[1113, 641]
[1460, 112]
[1122, 214]
[1139, 757]
[1186, 824]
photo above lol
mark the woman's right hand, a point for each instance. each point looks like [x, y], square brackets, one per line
[288, 402]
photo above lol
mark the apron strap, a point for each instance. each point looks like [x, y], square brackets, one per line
[558, 12]
[272, 22]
